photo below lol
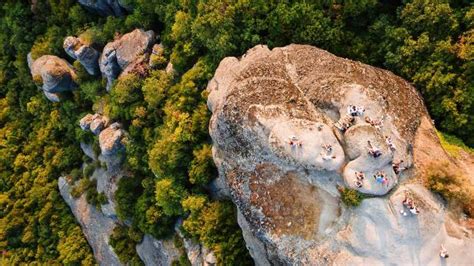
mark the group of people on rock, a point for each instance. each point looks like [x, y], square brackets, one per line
[326, 152]
[409, 202]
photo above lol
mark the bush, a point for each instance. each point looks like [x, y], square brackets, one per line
[75, 174]
[123, 240]
[457, 189]
[350, 197]
[88, 170]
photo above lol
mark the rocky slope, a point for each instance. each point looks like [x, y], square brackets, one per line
[292, 124]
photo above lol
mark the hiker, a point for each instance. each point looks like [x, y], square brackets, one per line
[359, 176]
[396, 167]
[358, 184]
[344, 123]
[414, 210]
[380, 177]
[294, 142]
[390, 144]
[327, 147]
[355, 111]
[374, 151]
[375, 123]
[443, 253]
[320, 127]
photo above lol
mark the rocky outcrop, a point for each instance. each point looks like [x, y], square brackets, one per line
[105, 7]
[290, 125]
[94, 122]
[55, 75]
[96, 227]
[126, 54]
[110, 139]
[85, 54]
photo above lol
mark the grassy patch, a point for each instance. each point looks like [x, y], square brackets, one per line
[453, 145]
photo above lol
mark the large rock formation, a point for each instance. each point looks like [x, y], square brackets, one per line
[85, 54]
[105, 7]
[126, 54]
[54, 74]
[292, 124]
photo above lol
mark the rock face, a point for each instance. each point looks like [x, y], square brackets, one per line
[290, 125]
[129, 53]
[55, 75]
[110, 139]
[86, 55]
[105, 7]
[96, 227]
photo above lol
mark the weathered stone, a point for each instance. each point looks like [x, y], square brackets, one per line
[95, 123]
[126, 52]
[86, 55]
[55, 75]
[272, 113]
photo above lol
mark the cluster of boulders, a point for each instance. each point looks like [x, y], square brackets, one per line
[126, 55]
[292, 125]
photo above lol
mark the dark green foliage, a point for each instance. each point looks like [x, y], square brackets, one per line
[351, 197]
[123, 240]
[126, 196]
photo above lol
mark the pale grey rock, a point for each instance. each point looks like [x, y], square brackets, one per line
[286, 188]
[111, 142]
[125, 54]
[55, 75]
[157, 252]
[86, 55]
[88, 150]
[105, 7]
[96, 227]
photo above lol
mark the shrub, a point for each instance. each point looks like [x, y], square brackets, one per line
[350, 197]
[75, 174]
[80, 187]
[123, 240]
[88, 170]
[457, 189]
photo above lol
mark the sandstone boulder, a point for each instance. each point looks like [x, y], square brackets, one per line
[54, 74]
[130, 52]
[110, 139]
[85, 54]
[290, 125]
[105, 7]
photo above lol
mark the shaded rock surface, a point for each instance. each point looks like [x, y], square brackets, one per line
[286, 135]
[130, 52]
[54, 74]
[105, 7]
[86, 55]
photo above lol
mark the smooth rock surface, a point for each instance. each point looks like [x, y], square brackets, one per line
[272, 112]
[157, 252]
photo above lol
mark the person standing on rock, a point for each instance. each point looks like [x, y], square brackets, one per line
[374, 151]
[443, 253]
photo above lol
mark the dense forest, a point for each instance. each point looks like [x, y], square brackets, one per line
[428, 42]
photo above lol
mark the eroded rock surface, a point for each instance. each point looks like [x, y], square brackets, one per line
[94, 122]
[54, 74]
[291, 124]
[85, 54]
[126, 54]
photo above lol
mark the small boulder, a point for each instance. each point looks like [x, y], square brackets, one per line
[127, 52]
[95, 123]
[54, 74]
[86, 55]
